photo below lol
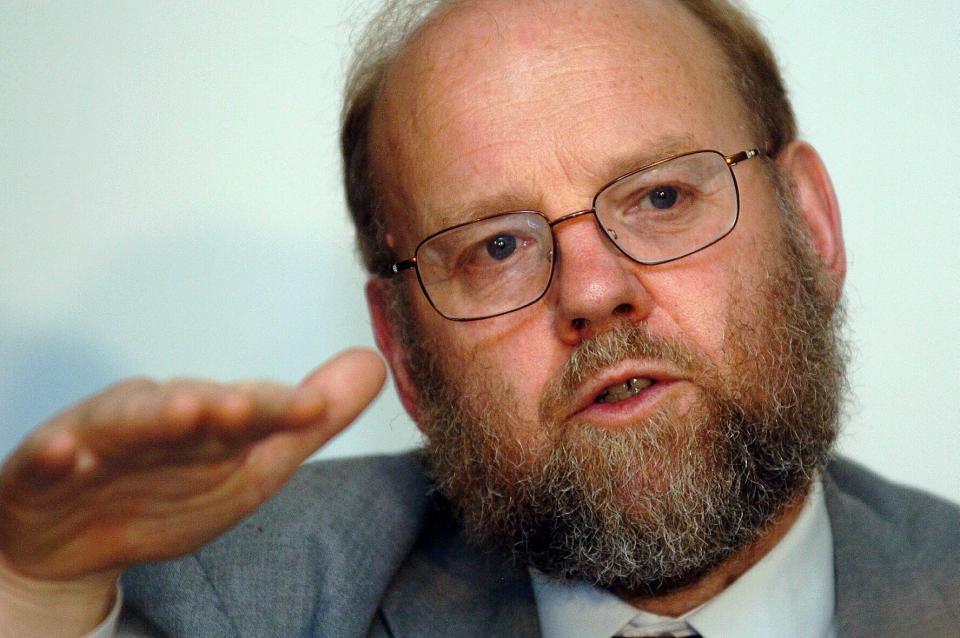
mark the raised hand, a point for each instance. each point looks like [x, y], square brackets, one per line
[148, 470]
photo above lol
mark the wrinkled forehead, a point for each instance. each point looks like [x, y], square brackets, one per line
[494, 99]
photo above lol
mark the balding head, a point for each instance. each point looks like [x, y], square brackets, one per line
[749, 69]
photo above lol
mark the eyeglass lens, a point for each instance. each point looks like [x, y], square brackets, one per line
[488, 267]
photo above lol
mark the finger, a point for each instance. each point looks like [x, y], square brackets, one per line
[219, 419]
[45, 457]
[51, 451]
[56, 449]
[185, 421]
[135, 415]
[276, 406]
[189, 420]
[348, 383]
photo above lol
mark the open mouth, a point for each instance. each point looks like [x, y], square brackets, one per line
[622, 391]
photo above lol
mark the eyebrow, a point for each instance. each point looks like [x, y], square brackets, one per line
[616, 165]
[499, 203]
[663, 148]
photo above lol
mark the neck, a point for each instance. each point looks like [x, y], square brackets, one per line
[683, 600]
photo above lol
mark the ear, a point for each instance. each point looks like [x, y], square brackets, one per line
[387, 335]
[818, 204]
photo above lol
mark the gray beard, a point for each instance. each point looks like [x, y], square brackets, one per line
[651, 508]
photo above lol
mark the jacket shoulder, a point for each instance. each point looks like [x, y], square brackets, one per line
[927, 522]
[314, 559]
[331, 493]
[896, 554]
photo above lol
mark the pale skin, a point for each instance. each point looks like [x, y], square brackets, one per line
[148, 470]
[511, 106]
[555, 109]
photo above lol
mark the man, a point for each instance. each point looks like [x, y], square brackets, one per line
[606, 280]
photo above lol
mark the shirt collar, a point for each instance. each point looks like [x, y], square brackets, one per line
[788, 592]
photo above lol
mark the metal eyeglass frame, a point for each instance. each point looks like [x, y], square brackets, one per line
[731, 161]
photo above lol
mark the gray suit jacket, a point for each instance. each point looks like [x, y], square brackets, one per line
[358, 547]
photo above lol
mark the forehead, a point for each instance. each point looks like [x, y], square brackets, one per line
[501, 105]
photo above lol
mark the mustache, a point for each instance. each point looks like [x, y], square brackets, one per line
[621, 342]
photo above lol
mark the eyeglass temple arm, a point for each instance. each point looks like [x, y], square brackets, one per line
[742, 156]
[400, 266]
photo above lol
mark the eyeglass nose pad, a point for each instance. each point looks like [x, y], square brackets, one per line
[609, 232]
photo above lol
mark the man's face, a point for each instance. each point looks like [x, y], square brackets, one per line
[536, 106]
[507, 106]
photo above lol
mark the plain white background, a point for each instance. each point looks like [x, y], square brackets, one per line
[170, 204]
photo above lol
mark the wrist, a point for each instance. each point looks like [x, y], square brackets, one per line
[52, 608]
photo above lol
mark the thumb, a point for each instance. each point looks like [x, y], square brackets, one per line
[345, 384]
[348, 382]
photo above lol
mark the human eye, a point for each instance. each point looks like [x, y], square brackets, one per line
[660, 202]
[494, 252]
[501, 247]
[663, 197]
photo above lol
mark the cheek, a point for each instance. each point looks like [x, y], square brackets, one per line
[516, 351]
[697, 296]
[692, 302]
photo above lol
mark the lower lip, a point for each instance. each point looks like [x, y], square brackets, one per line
[622, 413]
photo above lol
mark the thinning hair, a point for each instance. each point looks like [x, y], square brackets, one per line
[753, 74]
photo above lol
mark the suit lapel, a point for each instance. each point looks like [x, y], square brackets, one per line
[447, 589]
[881, 591]
[307, 564]
[313, 561]
[176, 597]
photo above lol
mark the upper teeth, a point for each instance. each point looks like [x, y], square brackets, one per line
[624, 390]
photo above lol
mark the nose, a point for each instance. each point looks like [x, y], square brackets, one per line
[594, 283]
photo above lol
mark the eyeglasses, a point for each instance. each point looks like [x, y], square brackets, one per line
[656, 214]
